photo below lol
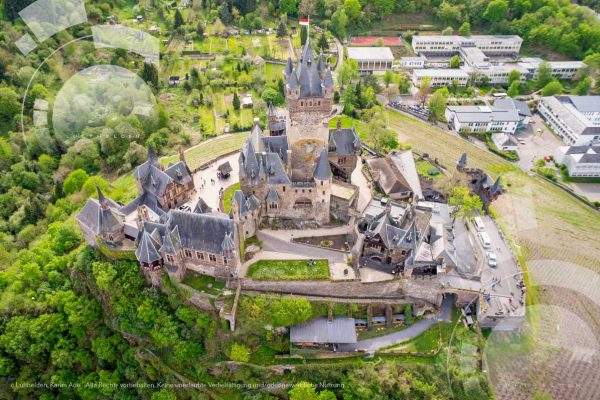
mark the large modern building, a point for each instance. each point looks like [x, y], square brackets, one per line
[576, 119]
[581, 161]
[482, 119]
[440, 76]
[371, 60]
[498, 45]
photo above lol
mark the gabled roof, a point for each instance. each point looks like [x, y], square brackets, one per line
[321, 330]
[278, 145]
[343, 141]
[272, 195]
[201, 207]
[228, 244]
[508, 104]
[462, 161]
[396, 173]
[101, 215]
[146, 251]
[246, 205]
[203, 232]
[323, 170]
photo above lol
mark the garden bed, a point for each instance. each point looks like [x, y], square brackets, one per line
[289, 270]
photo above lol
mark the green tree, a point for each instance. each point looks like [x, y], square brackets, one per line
[149, 74]
[424, 90]
[437, 105]
[352, 8]
[465, 29]
[281, 30]
[225, 14]
[455, 62]
[348, 71]
[236, 101]
[177, 20]
[388, 78]
[239, 352]
[303, 391]
[63, 237]
[9, 104]
[552, 88]
[448, 31]
[200, 30]
[466, 205]
[544, 74]
[290, 7]
[584, 86]
[74, 181]
[514, 89]
[323, 44]
[339, 22]
[164, 394]
[496, 10]
[449, 13]
[46, 163]
[514, 75]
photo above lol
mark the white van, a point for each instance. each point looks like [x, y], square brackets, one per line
[478, 223]
[485, 240]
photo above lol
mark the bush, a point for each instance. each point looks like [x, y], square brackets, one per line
[239, 352]
[75, 181]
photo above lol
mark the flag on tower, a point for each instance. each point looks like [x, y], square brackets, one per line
[303, 21]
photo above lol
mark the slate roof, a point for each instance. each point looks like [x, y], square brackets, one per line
[225, 168]
[204, 232]
[155, 181]
[246, 205]
[273, 169]
[344, 141]
[320, 330]
[289, 67]
[146, 199]
[272, 195]
[146, 251]
[98, 218]
[462, 161]
[278, 145]
[323, 169]
[396, 173]
[201, 207]
[390, 233]
[306, 74]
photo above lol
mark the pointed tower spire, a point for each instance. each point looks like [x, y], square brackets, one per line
[462, 162]
[320, 65]
[101, 198]
[289, 67]
[323, 170]
[151, 155]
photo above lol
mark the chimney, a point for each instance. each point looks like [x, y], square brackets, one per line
[181, 154]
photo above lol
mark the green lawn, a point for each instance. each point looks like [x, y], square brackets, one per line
[228, 195]
[209, 150]
[274, 71]
[202, 282]
[423, 167]
[288, 270]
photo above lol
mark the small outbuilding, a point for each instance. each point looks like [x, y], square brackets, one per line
[322, 331]
[224, 170]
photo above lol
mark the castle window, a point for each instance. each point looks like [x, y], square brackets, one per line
[212, 257]
[309, 190]
[110, 237]
[187, 253]
[199, 255]
[284, 188]
[301, 104]
[224, 260]
[302, 190]
[321, 183]
[323, 193]
[169, 259]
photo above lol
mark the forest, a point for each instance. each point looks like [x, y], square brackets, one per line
[81, 325]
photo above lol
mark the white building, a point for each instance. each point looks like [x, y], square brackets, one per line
[441, 76]
[560, 69]
[482, 119]
[581, 161]
[521, 107]
[500, 45]
[576, 119]
[504, 142]
[412, 62]
[371, 60]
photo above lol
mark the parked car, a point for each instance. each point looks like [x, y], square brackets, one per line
[485, 240]
[185, 207]
[478, 222]
[492, 260]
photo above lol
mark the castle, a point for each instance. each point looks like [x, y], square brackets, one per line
[288, 171]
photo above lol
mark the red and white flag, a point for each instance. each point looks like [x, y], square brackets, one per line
[303, 21]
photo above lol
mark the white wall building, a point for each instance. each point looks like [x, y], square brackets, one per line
[504, 142]
[560, 69]
[482, 119]
[581, 161]
[504, 45]
[576, 119]
[371, 60]
[412, 62]
[441, 76]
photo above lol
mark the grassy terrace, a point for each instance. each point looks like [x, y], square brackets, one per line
[545, 222]
[209, 150]
[228, 196]
[202, 283]
[288, 270]
[423, 167]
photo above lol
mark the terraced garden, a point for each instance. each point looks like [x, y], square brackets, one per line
[289, 270]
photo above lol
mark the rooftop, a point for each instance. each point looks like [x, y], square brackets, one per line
[321, 330]
[370, 53]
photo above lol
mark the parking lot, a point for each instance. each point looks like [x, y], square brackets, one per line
[500, 282]
[534, 145]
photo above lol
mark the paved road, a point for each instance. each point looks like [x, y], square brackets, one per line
[401, 336]
[273, 242]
